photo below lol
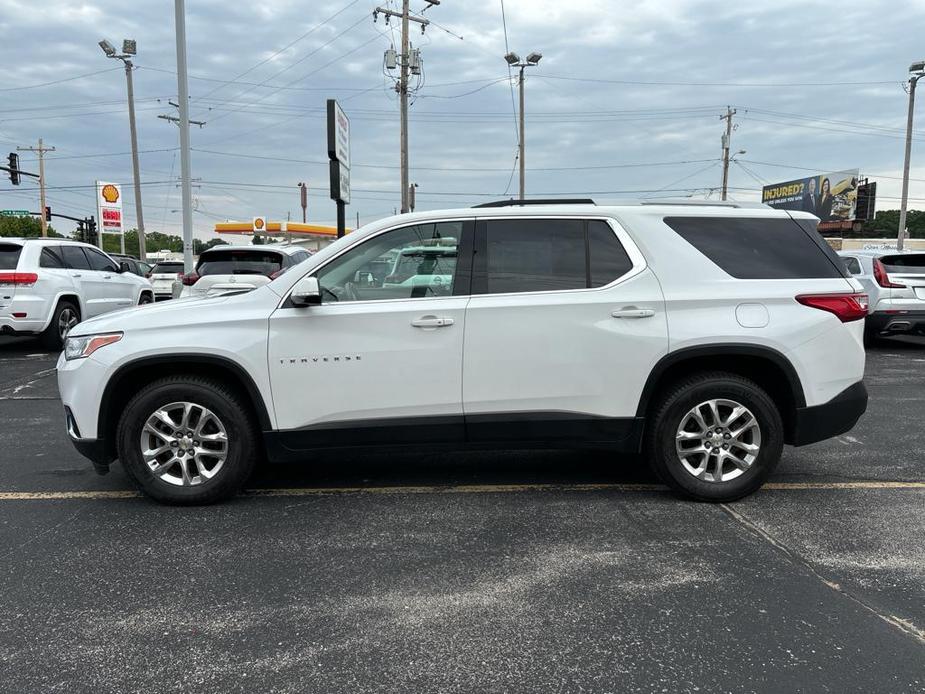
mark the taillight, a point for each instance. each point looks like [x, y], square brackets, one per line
[847, 307]
[26, 278]
[882, 278]
[190, 279]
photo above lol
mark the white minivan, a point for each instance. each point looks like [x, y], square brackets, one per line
[706, 336]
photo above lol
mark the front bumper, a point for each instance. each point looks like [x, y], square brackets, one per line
[95, 450]
[896, 322]
[832, 418]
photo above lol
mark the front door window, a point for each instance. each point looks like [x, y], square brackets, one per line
[409, 263]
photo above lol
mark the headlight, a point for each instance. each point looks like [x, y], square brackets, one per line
[80, 347]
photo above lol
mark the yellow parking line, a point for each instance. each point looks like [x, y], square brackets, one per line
[460, 489]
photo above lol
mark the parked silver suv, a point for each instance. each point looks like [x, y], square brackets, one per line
[47, 286]
[895, 283]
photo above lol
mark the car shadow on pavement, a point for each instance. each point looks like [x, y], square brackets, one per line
[520, 467]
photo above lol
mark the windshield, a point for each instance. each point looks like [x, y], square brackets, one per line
[909, 263]
[245, 262]
[166, 268]
[9, 256]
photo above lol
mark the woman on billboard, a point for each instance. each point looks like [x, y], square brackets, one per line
[824, 206]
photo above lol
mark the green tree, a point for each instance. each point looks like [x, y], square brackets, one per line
[24, 227]
[201, 246]
[257, 240]
[886, 224]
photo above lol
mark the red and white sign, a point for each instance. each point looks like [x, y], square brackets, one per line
[109, 207]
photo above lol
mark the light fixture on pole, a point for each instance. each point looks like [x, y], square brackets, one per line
[513, 60]
[130, 48]
[916, 72]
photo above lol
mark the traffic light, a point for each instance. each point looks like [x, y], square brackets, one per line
[47, 213]
[14, 168]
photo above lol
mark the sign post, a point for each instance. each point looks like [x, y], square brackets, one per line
[109, 211]
[339, 154]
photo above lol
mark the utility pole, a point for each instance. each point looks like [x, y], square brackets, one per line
[129, 48]
[409, 63]
[183, 94]
[513, 60]
[41, 149]
[918, 71]
[727, 143]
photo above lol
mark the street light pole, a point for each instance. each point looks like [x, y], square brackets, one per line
[918, 71]
[183, 98]
[129, 48]
[514, 61]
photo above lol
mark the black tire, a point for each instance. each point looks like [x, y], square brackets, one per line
[145, 298]
[672, 408]
[226, 404]
[53, 336]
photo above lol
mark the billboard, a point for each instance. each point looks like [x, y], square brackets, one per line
[109, 207]
[830, 196]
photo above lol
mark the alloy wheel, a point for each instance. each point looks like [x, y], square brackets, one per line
[718, 440]
[67, 319]
[184, 444]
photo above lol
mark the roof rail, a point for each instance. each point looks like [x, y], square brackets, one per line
[551, 201]
[687, 202]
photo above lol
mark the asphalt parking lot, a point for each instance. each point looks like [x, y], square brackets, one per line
[502, 572]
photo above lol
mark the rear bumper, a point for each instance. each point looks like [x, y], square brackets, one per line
[832, 418]
[896, 322]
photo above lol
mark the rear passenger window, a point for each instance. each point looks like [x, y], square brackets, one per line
[74, 258]
[100, 262]
[51, 258]
[608, 258]
[535, 255]
[758, 249]
[909, 263]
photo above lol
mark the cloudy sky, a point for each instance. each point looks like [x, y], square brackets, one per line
[626, 102]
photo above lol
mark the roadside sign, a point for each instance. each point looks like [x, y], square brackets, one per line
[109, 207]
[338, 134]
[340, 182]
[14, 213]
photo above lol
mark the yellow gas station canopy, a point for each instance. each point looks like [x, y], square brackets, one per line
[292, 228]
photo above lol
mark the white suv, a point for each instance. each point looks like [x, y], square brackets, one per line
[47, 286]
[895, 283]
[706, 336]
[224, 269]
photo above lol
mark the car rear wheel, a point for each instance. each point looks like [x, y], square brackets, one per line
[187, 440]
[145, 299]
[65, 317]
[715, 437]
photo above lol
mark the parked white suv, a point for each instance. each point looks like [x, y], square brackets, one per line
[706, 336]
[224, 269]
[47, 286]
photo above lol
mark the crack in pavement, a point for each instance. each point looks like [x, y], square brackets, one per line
[903, 625]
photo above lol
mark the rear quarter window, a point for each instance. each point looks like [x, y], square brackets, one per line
[760, 248]
[9, 255]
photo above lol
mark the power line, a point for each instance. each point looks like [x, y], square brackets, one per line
[719, 84]
[281, 50]
[59, 81]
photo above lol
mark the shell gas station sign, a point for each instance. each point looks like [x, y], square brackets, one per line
[109, 207]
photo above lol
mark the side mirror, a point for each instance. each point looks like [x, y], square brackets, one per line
[124, 266]
[306, 292]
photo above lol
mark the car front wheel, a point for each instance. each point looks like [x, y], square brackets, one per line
[715, 437]
[187, 440]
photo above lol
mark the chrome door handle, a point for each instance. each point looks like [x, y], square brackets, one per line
[76, 274]
[431, 322]
[633, 313]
